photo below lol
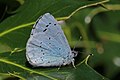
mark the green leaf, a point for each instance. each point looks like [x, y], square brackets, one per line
[108, 33]
[16, 67]
[18, 26]
[14, 33]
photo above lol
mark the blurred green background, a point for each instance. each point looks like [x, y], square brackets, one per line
[97, 22]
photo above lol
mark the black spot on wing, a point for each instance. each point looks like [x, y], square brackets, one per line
[42, 59]
[31, 33]
[59, 48]
[44, 30]
[64, 58]
[40, 17]
[41, 50]
[33, 28]
[47, 25]
[43, 53]
[37, 22]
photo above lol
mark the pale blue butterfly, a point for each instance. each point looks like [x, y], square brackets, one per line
[47, 45]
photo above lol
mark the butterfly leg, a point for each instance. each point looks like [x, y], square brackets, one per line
[73, 63]
[58, 68]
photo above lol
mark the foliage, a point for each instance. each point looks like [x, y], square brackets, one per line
[94, 20]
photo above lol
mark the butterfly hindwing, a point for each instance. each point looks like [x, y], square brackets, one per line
[45, 49]
[47, 45]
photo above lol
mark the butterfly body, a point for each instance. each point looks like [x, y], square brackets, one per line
[47, 45]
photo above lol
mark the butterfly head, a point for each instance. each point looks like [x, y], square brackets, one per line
[74, 53]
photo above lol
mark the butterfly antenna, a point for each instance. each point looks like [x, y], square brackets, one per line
[77, 43]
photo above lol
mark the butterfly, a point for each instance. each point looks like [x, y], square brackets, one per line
[47, 45]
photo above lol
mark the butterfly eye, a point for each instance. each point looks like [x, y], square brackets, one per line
[54, 24]
[49, 23]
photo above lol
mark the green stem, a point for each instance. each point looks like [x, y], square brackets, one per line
[15, 28]
[17, 65]
[85, 6]
[108, 7]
